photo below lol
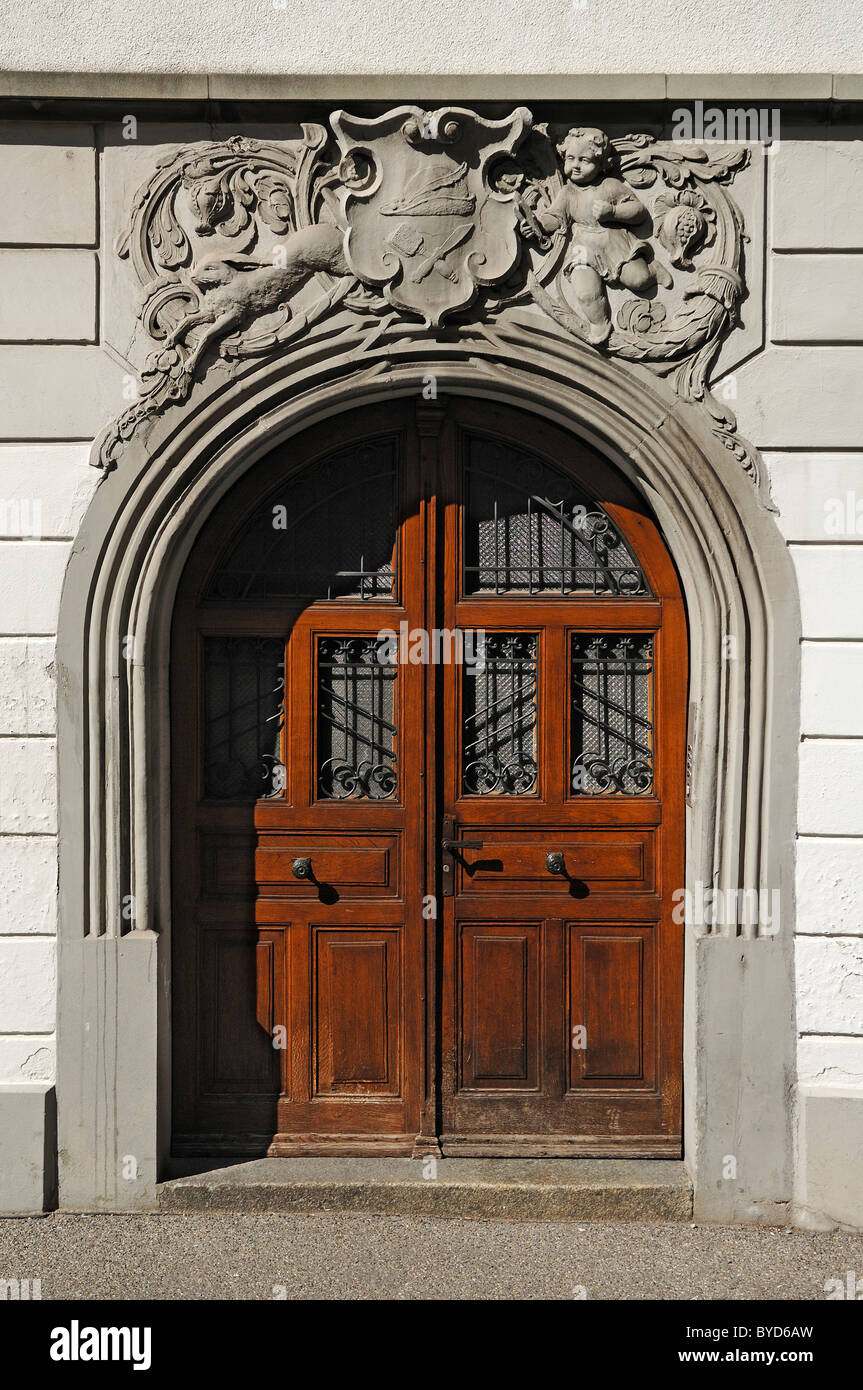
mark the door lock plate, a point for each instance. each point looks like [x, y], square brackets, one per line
[450, 842]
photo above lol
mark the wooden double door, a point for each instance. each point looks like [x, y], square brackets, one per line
[429, 691]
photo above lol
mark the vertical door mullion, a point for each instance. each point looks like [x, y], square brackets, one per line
[429, 482]
[553, 714]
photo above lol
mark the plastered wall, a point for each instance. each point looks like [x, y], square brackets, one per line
[377, 36]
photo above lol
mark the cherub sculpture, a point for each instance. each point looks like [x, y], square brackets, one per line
[595, 210]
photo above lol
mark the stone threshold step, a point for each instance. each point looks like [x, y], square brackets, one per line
[516, 1189]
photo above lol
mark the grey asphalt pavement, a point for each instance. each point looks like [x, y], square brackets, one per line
[342, 1256]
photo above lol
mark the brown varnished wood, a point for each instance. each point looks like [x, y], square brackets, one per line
[585, 934]
[407, 1031]
[338, 961]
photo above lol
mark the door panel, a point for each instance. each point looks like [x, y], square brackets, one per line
[422, 890]
[234, 1057]
[500, 1017]
[358, 1040]
[514, 861]
[567, 770]
[359, 865]
[611, 996]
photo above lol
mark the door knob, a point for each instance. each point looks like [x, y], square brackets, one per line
[555, 863]
[302, 868]
[461, 844]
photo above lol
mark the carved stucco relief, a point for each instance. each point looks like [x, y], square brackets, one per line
[442, 220]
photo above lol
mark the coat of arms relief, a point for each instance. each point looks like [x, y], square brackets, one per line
[443, 220]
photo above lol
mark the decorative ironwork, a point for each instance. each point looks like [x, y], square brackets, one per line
[500, 717]
[244, 684]
[612, 724]
[356, 729]
[296, 544]
[529, 527]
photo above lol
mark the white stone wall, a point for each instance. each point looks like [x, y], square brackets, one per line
[55, 480]
[52, 400]
[801, 402]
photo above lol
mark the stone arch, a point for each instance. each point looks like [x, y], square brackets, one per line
[113, 729]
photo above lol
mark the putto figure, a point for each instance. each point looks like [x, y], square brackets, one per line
[596, 209]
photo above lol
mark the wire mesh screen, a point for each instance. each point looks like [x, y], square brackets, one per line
[529, 528]
[243, 716]
[356, 720]
[612, 717]
[328, 533]
[500, 698]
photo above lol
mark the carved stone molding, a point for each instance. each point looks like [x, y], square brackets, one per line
[442, 220]
[114, 725]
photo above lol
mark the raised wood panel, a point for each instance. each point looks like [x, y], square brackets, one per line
[500, 1007]
[357, 1011]
[349, 865]
[236, 1052]
[227, 865]
[611, 997]
[265, 985]
[514, 861]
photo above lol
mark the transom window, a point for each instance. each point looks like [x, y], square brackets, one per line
[530, 528]
[328, 533]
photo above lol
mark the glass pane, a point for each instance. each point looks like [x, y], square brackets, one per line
[530, 528]
[356, 729]
[499, 756]
[243, 704]
[612, 718]
[328, 533]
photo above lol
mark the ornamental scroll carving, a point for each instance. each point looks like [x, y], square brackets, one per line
[446, 221]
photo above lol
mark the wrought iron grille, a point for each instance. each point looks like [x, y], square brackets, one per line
[244, 680]
[612, 718]
[356, 728]
[499, 753]
[529, 527]
[328, 533]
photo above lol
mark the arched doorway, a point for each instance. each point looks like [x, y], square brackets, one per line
[114, 1088]
[428, 683]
